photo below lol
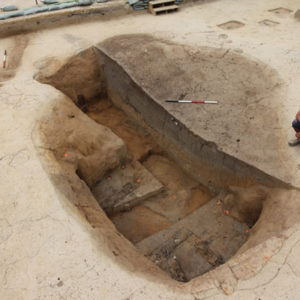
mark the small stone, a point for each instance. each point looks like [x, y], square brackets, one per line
[227, 288]
[9, 8]
[60, 284]
[238, 50]
[132, 2]
[12, 14]
[85, 2]
[54, 7]
[223, 36]
[50, 1]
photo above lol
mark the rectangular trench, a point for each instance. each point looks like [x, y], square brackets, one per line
[203, 159]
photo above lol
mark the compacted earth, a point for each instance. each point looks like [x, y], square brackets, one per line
[183, 207]
[168, 215]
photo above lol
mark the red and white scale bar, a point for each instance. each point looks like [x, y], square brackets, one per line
[4, 59]
[193, 101]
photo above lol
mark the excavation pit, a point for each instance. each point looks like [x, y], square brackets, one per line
[160, 208]
[166, 188]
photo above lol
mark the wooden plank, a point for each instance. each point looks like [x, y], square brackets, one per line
[157, 2]
[160, 3]
[165, 11]
[165, 8]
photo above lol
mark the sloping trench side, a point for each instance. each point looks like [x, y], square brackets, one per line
[92, 74]
[203, 159]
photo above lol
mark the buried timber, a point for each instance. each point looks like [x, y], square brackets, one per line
[181, 201]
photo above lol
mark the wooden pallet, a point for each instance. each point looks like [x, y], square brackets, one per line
[162, 6]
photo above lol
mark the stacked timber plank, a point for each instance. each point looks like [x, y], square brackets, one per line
[162, 6]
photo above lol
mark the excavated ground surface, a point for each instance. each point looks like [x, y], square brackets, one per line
[56, 242]
[243, 86]
[167, 213]
[142, 202]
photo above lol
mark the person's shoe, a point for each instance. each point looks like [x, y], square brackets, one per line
[294, 142]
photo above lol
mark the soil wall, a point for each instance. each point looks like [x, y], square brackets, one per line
[203, 159]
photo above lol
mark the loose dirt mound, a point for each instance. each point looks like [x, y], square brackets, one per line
[81, 145]
[78, 77]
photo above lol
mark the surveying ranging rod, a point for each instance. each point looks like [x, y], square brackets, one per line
[4, 59]
[192, 101]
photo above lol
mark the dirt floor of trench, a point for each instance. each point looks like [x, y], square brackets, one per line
[170, 217]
